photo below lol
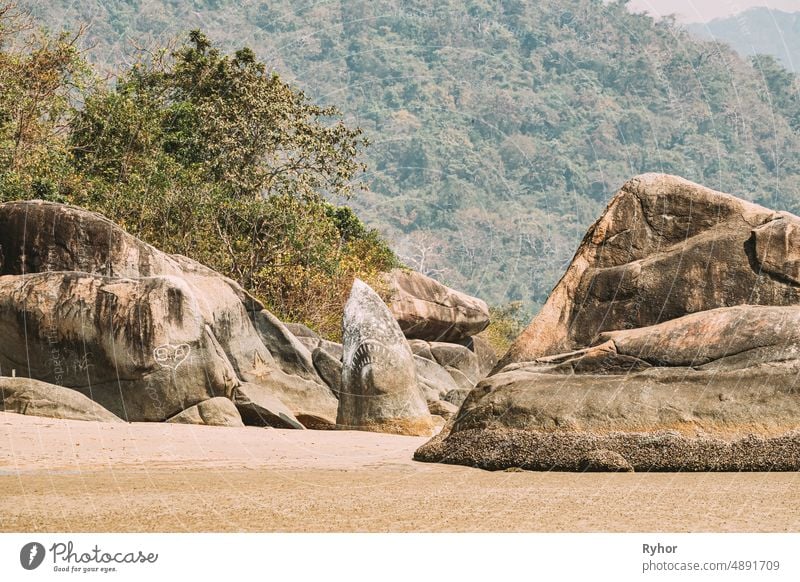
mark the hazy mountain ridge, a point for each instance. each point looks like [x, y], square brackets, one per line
[758, 31]
[499, 130]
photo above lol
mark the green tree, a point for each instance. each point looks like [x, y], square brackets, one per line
[243, 164]
[782, 87]
[224, 118]
[199, 153]
[39, 74]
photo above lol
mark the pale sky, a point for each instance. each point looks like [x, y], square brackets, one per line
[705, 10]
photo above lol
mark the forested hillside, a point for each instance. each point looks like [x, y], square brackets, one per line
[758, 31]
[498, 130]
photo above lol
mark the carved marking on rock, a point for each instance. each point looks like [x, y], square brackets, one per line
[369, 352]
[260, 367]
[171, 356]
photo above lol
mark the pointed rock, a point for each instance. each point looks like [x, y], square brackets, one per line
[380, 392]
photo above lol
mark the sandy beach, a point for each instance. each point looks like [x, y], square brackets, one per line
[59, 475]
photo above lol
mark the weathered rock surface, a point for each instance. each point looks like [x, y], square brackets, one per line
[428, 310]
[336, 351]
[421, 348]
[445, 367]
[457, 396]
[603, 460]
[455, 356]
[202, 335]
[653, 451]
[314, 405]
[137, 347]
[730, 337]
[670, 344]
[217, 411]
[442, 408]
[460, 379]
[258, 406]
[299, 330]
[433, 379]
[714, 382]
[665, 247]
[288, 352]
[484, 352]
[763, 399]
[35, 398]
[379, 379]
[329, 369]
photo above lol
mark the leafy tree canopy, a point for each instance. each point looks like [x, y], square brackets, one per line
[198, 152]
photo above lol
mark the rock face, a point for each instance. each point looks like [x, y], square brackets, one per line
[217, 411]
[35, 398]
[455, 356]
[605, 461]
[659, 419]
[379, 380]
[329, 369]
[137, 347]
[145, 333]
[442, 367]
[428, 310]
[484, 352]
[442, 408]
[434, 380]
[457, 396]
[670, 344]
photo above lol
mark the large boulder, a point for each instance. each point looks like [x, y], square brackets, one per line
[314, 405]
[659, 419]
[727, 338]
[35, 398]
[138, 347]
[428, 310]
[202, 336]
[217, 411]
[286, 350]
[665, 247]
[671, 343]
[379, 380]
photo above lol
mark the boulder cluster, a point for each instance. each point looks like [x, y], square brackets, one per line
[672, 342]
[98, 325]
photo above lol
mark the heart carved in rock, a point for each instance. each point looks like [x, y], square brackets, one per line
[171, 356]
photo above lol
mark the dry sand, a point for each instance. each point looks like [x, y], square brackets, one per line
[58, 475]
